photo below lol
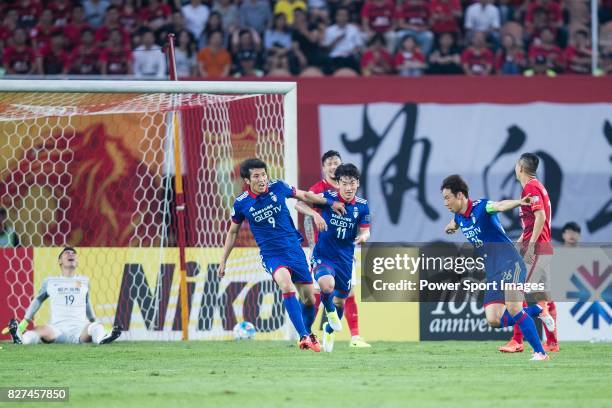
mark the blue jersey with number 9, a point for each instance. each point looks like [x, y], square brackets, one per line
[269, 218]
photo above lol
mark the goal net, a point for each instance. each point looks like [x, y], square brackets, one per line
[90, 164]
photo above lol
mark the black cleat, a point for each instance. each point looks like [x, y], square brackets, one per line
[12, 327]
[112, 336]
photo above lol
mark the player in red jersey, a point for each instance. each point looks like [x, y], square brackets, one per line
[537, 247]
[330, 161]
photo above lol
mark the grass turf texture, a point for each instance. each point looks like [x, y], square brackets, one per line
[271, 374]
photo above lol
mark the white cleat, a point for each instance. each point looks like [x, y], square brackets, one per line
[358, 342]
[334, 320]
[539, 357]
[548, 321]
[328, 339]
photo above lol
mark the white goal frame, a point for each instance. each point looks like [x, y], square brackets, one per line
[288, 89]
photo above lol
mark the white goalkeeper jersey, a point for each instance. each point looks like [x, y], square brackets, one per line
[69, 298]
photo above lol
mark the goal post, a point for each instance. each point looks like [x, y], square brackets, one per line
[54, 161]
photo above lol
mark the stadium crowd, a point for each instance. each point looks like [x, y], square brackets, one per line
[254, 38]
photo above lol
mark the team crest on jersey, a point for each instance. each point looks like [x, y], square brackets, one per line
[535, 199]
[355, 212]
[78, 284]
[473, 219]
[251, 209]
[273, 197]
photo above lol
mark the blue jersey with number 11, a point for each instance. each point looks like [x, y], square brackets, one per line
[337, 243]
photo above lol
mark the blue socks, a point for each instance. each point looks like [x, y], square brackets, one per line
[506, 319]
[294, 310]
[340, 311]
[328, 301]
[528, 328]
[308, 316]
[533, 310]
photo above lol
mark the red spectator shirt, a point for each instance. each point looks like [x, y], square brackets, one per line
[446, 21]
[539, 201]
[5, 34]
[54, 62]
[477, 61]
[416, 15]
[402, 56]
[553, 10]
[103, 33]
[552, 53]
[162, 11]
[129, 21]
[61, 11]
[41, 35]
[117, 60]
[19, 59]
[577, 67]
[85, 61]
[319, 188]
[517, 56]
[380, 18]
[384, 59]
[28, 13]
[73, 32]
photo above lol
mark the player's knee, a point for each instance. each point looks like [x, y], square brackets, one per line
[493, 322]
[30, 337]
[514, 308]
[326, 284]
[286, 287]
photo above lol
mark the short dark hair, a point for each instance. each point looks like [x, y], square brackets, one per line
[530, 162]
[572, 226]
[249, 164]
[66, 249]
[455, 184]
[347, 170]
[328, 154]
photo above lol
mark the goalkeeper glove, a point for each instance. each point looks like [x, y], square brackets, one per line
[22, 326]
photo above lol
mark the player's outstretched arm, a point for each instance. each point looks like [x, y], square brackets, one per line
[230, 241]
[312, 198]
[91, 316]
[451, 227]
[308, 211]
[35, 305]
[507, 205]
[363, 236]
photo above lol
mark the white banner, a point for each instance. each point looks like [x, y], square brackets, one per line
[406, 150]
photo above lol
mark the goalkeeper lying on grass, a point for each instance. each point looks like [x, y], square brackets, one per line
[72, 316]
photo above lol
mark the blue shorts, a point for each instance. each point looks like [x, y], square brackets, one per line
[295, 262]
[513, 271]
[342, 275]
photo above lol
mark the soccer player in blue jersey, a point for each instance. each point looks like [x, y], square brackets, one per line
[332, 256]
[264, 207]
[480, 224]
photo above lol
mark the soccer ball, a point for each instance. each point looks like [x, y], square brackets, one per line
[244, 331]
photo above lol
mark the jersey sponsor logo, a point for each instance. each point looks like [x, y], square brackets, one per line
[266, 212]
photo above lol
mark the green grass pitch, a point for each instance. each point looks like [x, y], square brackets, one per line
[277, 374]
